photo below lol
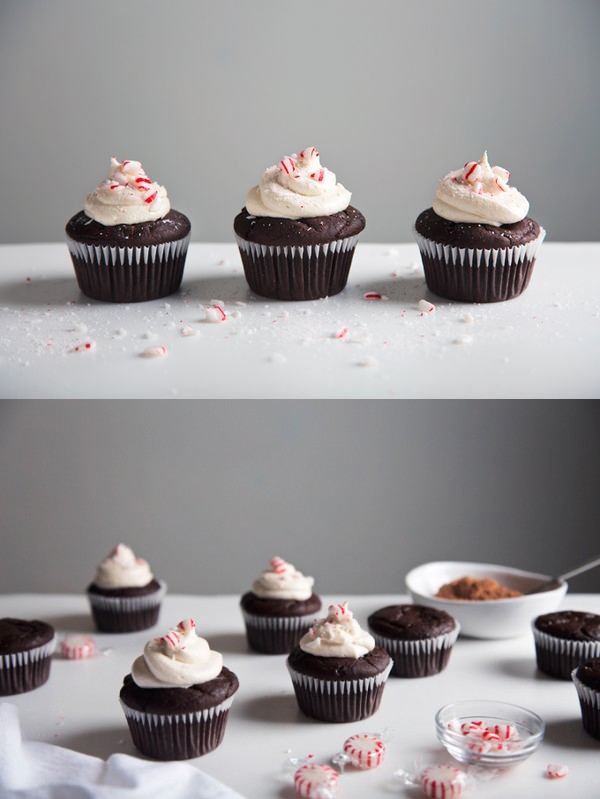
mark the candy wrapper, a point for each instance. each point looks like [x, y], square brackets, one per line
[311, 779]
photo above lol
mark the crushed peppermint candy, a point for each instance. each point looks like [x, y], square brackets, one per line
[155, 352]
[374, 295]
[215, 314]
[187, 330]
[87, 346]
[77, 647]
[463, 340]
[342, 333]
[556, 772]
[425, 307]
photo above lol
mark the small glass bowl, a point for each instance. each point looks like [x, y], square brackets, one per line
[529, 726]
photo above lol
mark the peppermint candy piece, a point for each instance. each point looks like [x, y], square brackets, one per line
[442, 782]
[556, 772]
[364, 751]
[77, 647]
[316, 781]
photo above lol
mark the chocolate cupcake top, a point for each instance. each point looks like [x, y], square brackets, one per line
[179, 659]
[589, 674]
[572, 625]
[19, 635]
[121, 569]
[479, 193]
[298, 187]
[127, 196]
[411, 622]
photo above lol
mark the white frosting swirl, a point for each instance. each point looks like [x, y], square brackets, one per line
[121, 569]
[127, 196]
[177, 660]
[479, 193]
[298, 187]
[339, 635]
[283, 581]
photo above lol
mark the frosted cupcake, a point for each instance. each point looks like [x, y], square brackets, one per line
[477, 242]
[128, 244]
[297, 232]
[125, 596]
[337, 670]
[279, 609]
[177, 698]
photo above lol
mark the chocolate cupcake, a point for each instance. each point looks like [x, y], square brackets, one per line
[125, 596]
[177, 698]
[297, 232]
[586, 679]
[128, 245]
[564, 640]
[26, 649]
[279, 609]
[477, 242]
[419, 638]
[337, 671]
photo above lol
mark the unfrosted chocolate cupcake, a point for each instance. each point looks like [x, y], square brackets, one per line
[125, 596]
[564, 640]
[279, 609]
[477, 242]
[586, 678]
[177, 698]
[26, 649]
[128, 244]
[337, 670]
[297, 232]
[419, 638]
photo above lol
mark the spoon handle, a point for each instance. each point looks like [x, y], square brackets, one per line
[589, 564]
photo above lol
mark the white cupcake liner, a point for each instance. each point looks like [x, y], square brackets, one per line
[154, 721]
[127, 256]
[427, 655]
[305, 272]
[28, 656]
[478, 275]
[589, 701]
[333, 687]
[133, 604]
[480, 258]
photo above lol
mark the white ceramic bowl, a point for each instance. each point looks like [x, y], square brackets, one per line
[498, 618]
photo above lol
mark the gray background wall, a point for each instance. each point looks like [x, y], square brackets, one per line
[353, 493]
[207, 94]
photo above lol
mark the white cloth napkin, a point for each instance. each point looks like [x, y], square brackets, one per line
[34, 770]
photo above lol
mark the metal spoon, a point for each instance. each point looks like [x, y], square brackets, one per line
[550, 585]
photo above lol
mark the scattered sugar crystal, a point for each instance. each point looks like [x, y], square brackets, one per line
[167, 306]
[463, 340]
[368, 362]
[79, 327]
[120, 333]
[277, 357]
[235, 314]
[468, 318]
[149, 335]
[187, 330]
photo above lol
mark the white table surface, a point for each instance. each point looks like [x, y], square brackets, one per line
[545, 343]
[78, 707]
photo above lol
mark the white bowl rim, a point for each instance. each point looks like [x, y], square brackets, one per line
[483, 566]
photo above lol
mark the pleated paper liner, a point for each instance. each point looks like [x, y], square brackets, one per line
[421, 658]
[26, 670]
[297, 273]
[589, 699]
[559, 656]
[129, 274]
[478, 275]
[338, 700]
[126, 614]
[178, 736]
[275, 635]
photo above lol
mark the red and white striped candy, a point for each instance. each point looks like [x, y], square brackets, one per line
[374, 295]
[442, 782]
[214, 313]
[77, 647]
[342, 333]
[472, 172]
[308, 153]
[490, 735]
[506, 732]
[502, 186]
[172, 639]
[287, 165]
[155, 352]
[502, 173]
[556, 772]
[318, 175]
[365, 751]
[479, 747]
[278, 565]
[316, 781]
[186, 625]
[469, 727]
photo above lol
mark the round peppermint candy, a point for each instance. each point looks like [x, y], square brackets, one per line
[365, 751]
[77, 647]
[316, 781]
[442, 782]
